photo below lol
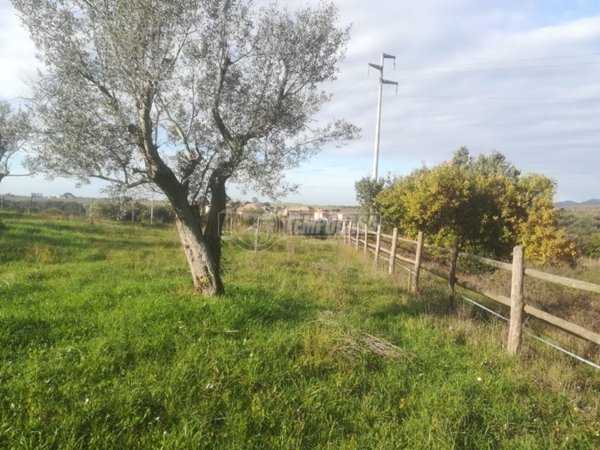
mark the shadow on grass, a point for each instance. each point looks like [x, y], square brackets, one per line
[433, 301]
[19, 236]
[259, 305]
[21, 332]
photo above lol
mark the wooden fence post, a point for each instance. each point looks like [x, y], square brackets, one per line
[393, 251]
[91, 213]
[344, 231]
[419, 254]
[517, 302]
[357, 235]
[452, 274]
[378, 244]
[256, 235]
[366, 248]
[152, 209]
[349, 231]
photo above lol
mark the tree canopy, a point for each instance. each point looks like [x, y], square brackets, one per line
[367, 190]
[186, 95]
[15, 131]
[584, 230]
[484, 203]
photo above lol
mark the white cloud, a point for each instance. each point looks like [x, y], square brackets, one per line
[17, 55]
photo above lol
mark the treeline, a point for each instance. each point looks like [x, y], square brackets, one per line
[584, 230]
[118, 209]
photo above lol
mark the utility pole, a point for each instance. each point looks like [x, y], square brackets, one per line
[382, 81]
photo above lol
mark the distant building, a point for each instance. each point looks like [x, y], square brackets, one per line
[253, 208]
[297, 213]
[329, 215]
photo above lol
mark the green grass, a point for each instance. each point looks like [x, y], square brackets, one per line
[104, 345]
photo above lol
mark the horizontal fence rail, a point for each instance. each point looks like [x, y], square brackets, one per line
[357, 235]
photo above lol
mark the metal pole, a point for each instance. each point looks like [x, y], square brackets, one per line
[378, 124]
[382, 81]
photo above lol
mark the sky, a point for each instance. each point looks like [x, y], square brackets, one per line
[521, 77]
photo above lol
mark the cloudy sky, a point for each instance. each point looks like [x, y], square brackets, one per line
[521, 77]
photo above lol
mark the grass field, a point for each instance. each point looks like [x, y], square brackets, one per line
[103, 345]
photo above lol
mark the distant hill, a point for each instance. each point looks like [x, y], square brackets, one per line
[566, 203]
[590, 202]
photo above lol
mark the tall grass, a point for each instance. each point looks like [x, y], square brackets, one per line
[104, 345]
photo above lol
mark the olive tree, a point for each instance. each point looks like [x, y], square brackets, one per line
[187, 95]
[14, 135]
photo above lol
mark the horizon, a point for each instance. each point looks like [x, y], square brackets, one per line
[244, 200]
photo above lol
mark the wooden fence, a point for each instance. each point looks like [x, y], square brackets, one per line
[361, 237]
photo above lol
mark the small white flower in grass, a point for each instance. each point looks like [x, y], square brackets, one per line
[479, 378]
[87, 400]
[157, 418]
[209, 387]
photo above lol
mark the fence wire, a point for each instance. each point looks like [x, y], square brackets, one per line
[551, 344]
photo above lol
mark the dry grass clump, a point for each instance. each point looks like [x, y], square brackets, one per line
[332, 340]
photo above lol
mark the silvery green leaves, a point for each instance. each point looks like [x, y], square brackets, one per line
[221, 83]
[15, 131]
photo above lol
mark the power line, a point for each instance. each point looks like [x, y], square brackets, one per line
[500, 69]
[350, 87]
[358, 86]
[526, 99]
[506, 61]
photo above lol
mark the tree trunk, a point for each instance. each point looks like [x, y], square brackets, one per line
[204, 269]
[452, 275]
[203, 266]
[216, 218]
